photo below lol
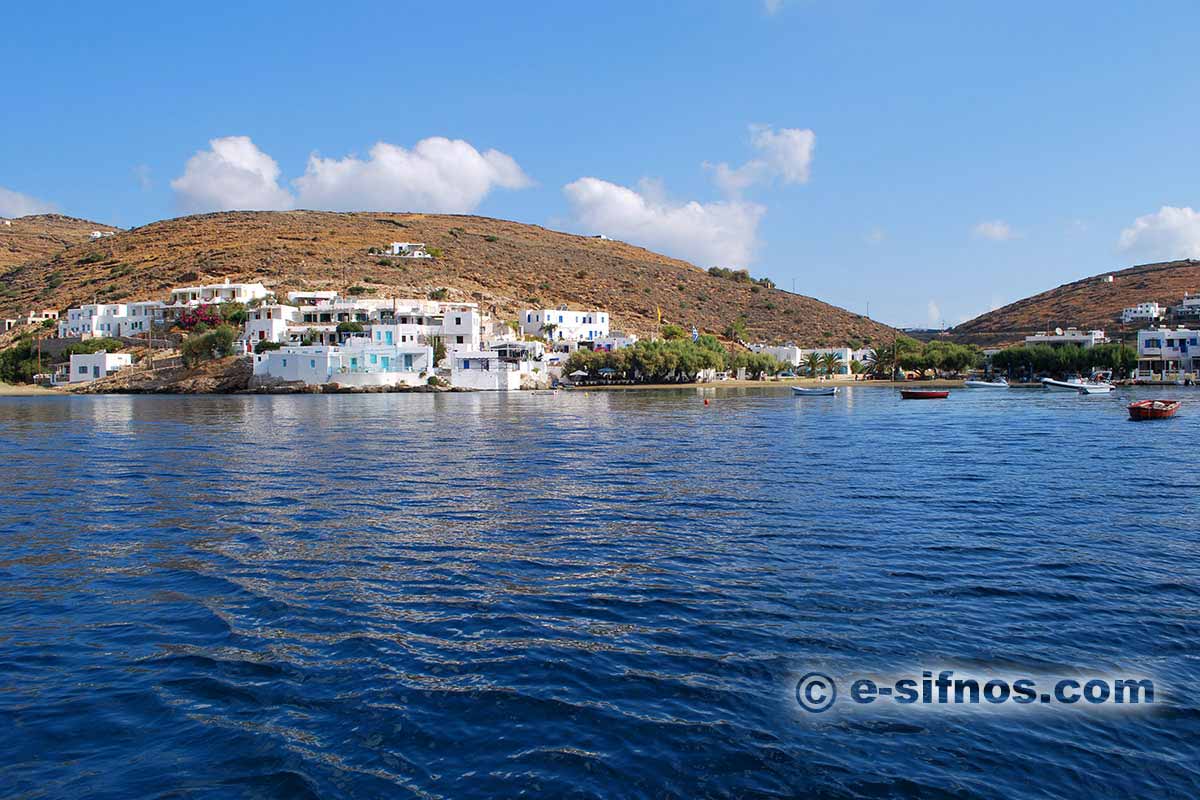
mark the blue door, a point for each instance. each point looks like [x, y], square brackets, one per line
[390, 339]
[387, 363]
[408, 362]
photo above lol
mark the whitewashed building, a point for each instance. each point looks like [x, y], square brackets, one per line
[92, 366]
[1059, 337]
[1143, 312]
[614, 341]
[504, 367]
[564, 324]
[1168, 352]
[270, 323]
[224, 292]
[95, 320]
[359, 362]
[408, 250]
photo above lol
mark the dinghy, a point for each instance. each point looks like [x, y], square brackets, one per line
[1153, 409]
[924, 394]
[814, 391]
[978, 383]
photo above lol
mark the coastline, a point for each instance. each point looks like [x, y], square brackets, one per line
[27, 390]
[735, 384]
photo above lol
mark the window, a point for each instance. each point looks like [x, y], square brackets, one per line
[285, 362]
[312, 363]
[458, 320]
[458, 340]
[83, 370]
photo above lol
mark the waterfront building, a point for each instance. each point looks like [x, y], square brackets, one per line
[1143, 312]
[87, 367]
[614, 341]
[1168, 353]
[1059, 337]
[270, 323]
[505, 366]
[357, 362]
[38, 317]
[795, 356]
[564, 324]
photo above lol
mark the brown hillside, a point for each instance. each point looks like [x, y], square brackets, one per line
[501, 265]
[1089, 303]
[41, 236]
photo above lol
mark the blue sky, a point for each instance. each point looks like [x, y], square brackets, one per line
[932, 159]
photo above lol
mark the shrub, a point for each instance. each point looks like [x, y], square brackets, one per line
[349, 327]
[106, 344]
[434, 380]
[357, 290]
[207, 316]
[436, 252]
[200, 347]
[440, 294]
[265, 347]
[385, 262]
[490, 238]
[234, 313]
[93, 257]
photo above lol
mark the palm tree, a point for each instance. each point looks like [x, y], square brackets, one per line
[831, 362]
[548, 330]
[813, 363]
[882, 361]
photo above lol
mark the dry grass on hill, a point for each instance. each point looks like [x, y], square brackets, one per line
[504, 266]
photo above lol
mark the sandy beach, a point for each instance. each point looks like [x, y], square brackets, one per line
[25, 390]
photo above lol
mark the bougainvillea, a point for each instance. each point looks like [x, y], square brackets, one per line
[209, 316]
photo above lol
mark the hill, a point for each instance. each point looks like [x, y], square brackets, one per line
[1088, 303]
[504, 266]
[41, 236]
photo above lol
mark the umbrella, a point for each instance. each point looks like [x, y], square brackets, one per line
[608, 371]
[579, 373]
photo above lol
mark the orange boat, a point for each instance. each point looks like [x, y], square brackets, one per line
[1153, 409]
[924, 394]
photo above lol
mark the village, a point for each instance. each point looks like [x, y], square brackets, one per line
[327, 338]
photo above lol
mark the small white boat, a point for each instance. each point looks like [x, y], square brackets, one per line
[814, 391]
[982, 384]
[1062, 386]
[1077, 386]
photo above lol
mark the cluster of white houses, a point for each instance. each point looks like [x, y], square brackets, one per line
[797, 356]
[321, 337]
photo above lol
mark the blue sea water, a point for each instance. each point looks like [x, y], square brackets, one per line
[589, 594]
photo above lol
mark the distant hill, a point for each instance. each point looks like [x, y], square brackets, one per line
[41, 236]
[1088, 303]
[504, 266]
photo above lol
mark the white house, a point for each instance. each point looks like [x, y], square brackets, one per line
[36, 317]
[224, 292]
[504, 367]
[8, 324]
[1189, 309]
[1168, 351]
[359, 362]
[1151, 312]
[566, 324]
[1058, 337]
[787, 353]
[90, 366]
[111, 319]
[797, 356]
[270, 323]
[100, 234]
[614, 341]
[408, 250]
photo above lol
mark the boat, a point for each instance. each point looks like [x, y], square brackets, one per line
[1062, 386]
[814, 391]
[1153, 409]
[924, 394]
[979, 383]
[1078, 386]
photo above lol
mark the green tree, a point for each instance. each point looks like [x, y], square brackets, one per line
[671, 331]
[548, 330]
[439, 350]
[813, 364]
[831, 362]
[234, 313]
[350, 327]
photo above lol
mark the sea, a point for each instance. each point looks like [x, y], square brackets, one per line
[597, 595]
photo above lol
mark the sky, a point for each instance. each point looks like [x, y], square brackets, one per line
[922, 162]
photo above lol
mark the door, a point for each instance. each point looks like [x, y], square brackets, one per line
[390, 338]
[408, 362]
[387, 363]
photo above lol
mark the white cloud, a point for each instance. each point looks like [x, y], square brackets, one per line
[876, 235]
[232, 174]
[1167, 234]
[437, 175]
[935, 314]
[15, 204]
[772, 6]
[996, 230]
[785, 154]
[143, 176]
[708, 234]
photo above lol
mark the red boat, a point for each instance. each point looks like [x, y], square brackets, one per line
[924, 394]
[1153, 409]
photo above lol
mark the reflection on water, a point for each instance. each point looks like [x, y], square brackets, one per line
[592, 594]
